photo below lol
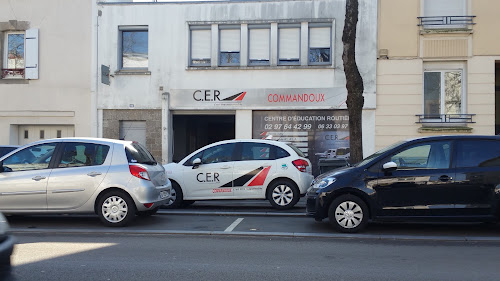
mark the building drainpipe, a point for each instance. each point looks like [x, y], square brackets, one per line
[94, 114]
[166, 136]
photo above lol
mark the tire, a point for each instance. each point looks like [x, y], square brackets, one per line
[116, 208]
[187, 203]
[176, 197]
[148, 213]
[348, 213]
[283, 194]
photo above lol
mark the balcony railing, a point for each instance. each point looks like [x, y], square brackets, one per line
[446, 21]
[448, 119]
[13, 72]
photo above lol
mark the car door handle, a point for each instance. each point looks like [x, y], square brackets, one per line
[93, 174]
[225, 167]
[38, 178]
[445, 178]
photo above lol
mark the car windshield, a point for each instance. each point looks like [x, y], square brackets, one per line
[376, 154]
[299, 152]
[136, 153]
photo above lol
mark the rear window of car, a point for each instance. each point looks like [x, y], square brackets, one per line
[299, 152]
[137, 153]
[281, 153]
[76, 154]
[478, 153]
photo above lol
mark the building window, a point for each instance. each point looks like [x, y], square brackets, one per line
[320, 43]
[134, 47]
[229, 54]
[445, 8]
[26, 134]
[289, 44]
[20, 54]
[445, 14]
[200, 45]
[59, 133]
[443, 90]
[14, 50]
[259, 38]
[42, 134]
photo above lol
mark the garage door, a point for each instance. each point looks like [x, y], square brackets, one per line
[31, 133]
[133, 131]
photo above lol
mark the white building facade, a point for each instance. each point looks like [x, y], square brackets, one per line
[46, 74]
[177, 76]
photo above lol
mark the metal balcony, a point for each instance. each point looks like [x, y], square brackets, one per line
[446, 21]
[448, 119]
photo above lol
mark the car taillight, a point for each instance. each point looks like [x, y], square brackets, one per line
[139, 172]
[300, 164]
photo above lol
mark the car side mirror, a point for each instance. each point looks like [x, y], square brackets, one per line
[196, 163]
[390, 166]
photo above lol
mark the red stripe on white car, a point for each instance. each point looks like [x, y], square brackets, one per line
[260, 178]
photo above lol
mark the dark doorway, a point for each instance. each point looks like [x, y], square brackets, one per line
[195, 131]
[497, 97]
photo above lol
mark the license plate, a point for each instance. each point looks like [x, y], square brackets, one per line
[163, 194]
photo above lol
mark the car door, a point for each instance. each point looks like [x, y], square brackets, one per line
[477, 177]
[77, 174]
[421, 184]
[24, 177]
[256, 162]
[213, 177]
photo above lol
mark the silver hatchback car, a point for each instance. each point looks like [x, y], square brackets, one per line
[112, 178]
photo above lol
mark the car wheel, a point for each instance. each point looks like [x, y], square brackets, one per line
[187, 203]
[283, 194]
[176, 197]
[116, 208]
[148, 212]
[348, 213]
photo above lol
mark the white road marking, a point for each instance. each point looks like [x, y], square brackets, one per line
[233, 225]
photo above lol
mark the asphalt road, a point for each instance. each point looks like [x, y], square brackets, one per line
[185, 257]
[254, 218]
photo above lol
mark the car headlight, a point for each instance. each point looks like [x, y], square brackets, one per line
[322, 184]
[325, 182]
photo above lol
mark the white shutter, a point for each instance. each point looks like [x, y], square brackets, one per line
[289, 43]
[319, 37]
[259, 44]
[31, 54]
[229, 40]
[200, 44]
[445, 8]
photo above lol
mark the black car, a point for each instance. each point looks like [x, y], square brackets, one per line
[6, 247]
[445, 178]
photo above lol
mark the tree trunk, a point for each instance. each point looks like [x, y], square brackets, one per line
[354, 81]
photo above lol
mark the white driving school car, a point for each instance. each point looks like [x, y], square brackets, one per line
[241, 169]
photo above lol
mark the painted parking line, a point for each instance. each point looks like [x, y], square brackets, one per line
[233, 225]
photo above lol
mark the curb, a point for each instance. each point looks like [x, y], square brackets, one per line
[264, 234]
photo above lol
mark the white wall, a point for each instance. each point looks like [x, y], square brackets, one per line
[168, 48]
[61, 94]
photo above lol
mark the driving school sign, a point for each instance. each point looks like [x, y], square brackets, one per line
[257, 98]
